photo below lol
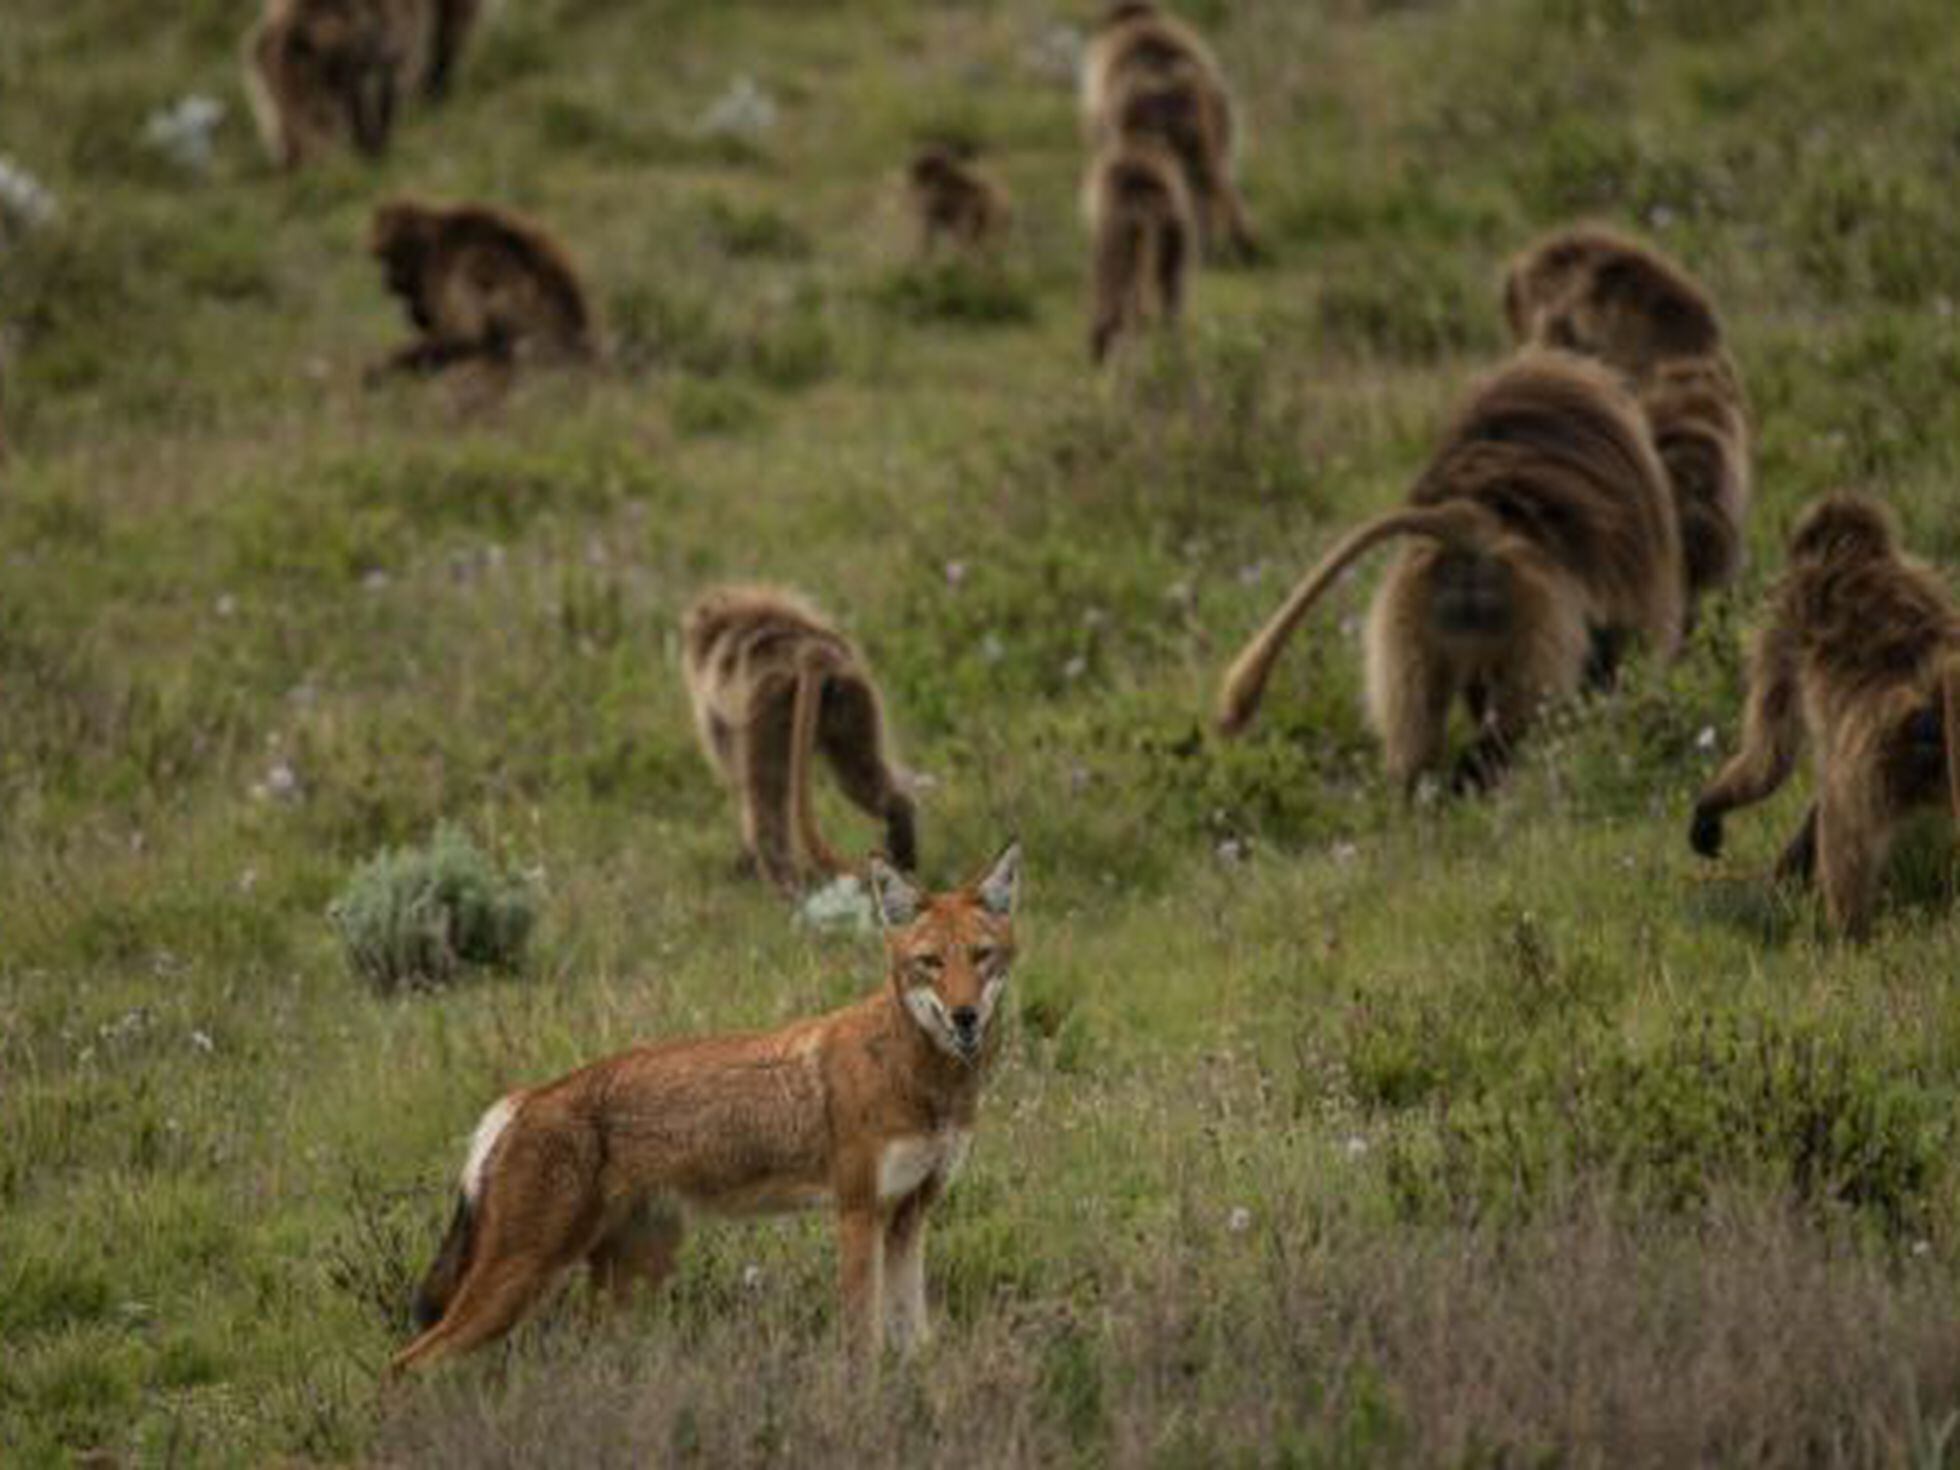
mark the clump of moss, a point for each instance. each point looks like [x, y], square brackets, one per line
[420, 916]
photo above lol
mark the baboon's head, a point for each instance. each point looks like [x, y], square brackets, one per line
[336, 55]
[1537, 285]
[949, 953]
[935, 167]
[400, 236]
[1842, 527]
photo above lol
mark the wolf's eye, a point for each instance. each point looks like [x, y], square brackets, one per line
[986, 956]
[927, 964]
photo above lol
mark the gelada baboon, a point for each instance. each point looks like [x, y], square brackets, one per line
[1142, 240]
[478, 283]
[1542, 521]
[1861, 655]
[322, 72]
[954, 201]
[1148, 78]
[1592, 291]
[772, 682]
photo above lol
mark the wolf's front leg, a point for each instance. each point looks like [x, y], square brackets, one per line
[905, 1264]
[861, 1278]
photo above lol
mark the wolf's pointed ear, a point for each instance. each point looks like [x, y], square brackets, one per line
[893, 897]
[1003, 881]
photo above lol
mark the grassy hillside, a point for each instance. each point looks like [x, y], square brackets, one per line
[1331, 1131]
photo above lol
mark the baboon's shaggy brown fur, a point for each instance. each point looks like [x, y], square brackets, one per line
[478, 283]
[771, 682]
[320, 73]
[1149, 78]
[1861, 655]
[953, 200]
[1590, 290]
[1543, 523]
[1142, 241]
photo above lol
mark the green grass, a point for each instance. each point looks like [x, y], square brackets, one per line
[1331, 1132]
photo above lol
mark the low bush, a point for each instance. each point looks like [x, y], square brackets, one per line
[419, 916]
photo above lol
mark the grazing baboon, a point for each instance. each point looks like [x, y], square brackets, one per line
[771, 682]
[1142, 241]
[1542, 521]
[320, 72]
[953, 200]
[1592, 291]
[1148, 78]
[1861, 655]
[478, 283]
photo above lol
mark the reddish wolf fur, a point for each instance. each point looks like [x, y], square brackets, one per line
[869, 1110]
[1861, 655]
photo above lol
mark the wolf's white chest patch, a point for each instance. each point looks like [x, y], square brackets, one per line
[908, 1162]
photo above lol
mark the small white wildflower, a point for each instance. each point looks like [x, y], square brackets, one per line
[1075, 668]
[1354, 1145]
[182, 132]
[752, 1277]
[203, 1042]
[744, 111]
[1921, 1247]
[1239, 1221]
[375, 581]
[1094, 617]
[1706, 739]
[25, 202]
[281, 782]
[248, 880]
[1055, 55]
[1178, 592]
[226, 605]
[955, 573]
[1230, 851]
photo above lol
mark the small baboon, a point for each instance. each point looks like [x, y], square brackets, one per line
[1542, 523]
[322, 72]
[478, 283]
[1149, 78]
[953, 200]
[1861, 655]
[1589, 290]
[771, 681]
[1142, 239]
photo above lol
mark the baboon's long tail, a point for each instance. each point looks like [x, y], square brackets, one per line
[1950, 726]
[812, 670]
[1245, 681]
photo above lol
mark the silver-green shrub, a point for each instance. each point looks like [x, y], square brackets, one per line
[418, 916]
